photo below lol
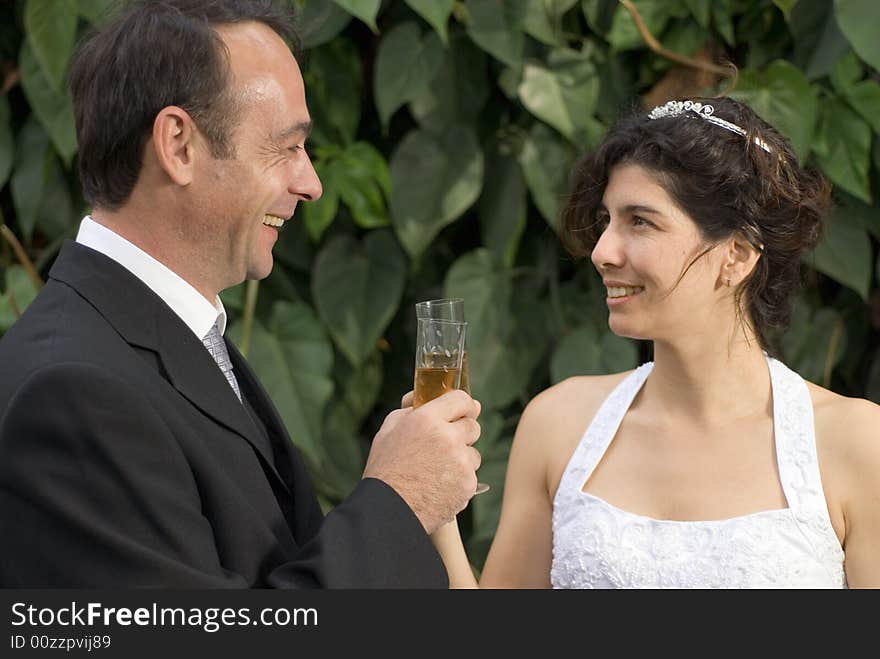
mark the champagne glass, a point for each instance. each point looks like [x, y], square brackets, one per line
[452, 310]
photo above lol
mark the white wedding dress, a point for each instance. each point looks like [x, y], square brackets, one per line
[596, 545]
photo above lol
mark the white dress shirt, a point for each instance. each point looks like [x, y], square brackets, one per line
[192, 307]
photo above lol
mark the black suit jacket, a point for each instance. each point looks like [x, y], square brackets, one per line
[127, 461]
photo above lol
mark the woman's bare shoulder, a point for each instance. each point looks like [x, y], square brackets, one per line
[556, 418]
[847, 428]
[580, 393]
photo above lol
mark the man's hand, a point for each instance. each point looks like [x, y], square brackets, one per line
[426, 455]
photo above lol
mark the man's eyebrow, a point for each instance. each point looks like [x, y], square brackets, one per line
[300, 128]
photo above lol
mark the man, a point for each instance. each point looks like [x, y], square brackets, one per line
[131, 455]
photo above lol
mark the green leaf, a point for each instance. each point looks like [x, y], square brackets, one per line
[624, 34]
[846, 72]
[721, 16]
[865, 99]
[434, 180]
[538, 24]
[17, 295]
[785, 6]
[54, 109]
[360, 386]
[318, 215]
[94, 11]
[844, 253]
[486, 287]
[858, 22]
[319, 21]
[396, 83]
[702, 11]
[599, 14]
[365, 10]
[364, 184]
[848, 142]
[29, 175]
[333, 80]
[51, 32]
[543, 20]
[563, 95]
[857, 213]
[546, 162]
[783, 97]
[459, 90]
[7, 141]
[55, 213]
[818, 41]
[496, 27]
[586, 351]
[503, 207]
[357, 289]
[343, 462]
[814, 341]
[293, 359]
[436, 12]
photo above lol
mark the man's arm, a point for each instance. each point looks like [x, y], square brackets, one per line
[95, 491]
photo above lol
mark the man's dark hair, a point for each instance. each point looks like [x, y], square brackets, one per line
[151, 54]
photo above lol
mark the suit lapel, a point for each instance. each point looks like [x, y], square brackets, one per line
[262, 404]
[144, 320]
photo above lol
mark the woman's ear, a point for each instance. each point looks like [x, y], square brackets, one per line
[173, 142]
[740, 259]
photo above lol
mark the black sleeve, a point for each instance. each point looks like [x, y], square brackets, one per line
[95, 491]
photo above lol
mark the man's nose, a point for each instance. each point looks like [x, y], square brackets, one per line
[306, 185]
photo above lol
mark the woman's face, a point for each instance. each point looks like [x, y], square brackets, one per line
[643, 255]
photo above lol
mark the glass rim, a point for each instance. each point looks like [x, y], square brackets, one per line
[440, 300]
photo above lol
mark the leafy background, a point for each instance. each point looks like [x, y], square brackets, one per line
[444, 135]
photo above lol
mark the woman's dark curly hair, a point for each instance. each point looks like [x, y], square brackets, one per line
[727, 183]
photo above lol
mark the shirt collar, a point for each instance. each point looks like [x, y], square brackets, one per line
[194, 310]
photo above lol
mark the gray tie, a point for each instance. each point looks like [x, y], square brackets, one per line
[217, 347]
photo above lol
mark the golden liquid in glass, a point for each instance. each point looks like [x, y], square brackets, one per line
[432, 382]
[437, 377]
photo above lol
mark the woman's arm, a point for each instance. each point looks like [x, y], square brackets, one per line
[447, 540]
[862, 503]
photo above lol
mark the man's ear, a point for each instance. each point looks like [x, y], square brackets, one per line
[174, 136]
[740, 259]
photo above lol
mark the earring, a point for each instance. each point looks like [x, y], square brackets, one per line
[728, 282]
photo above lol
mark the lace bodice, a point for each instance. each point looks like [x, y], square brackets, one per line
[596, 545]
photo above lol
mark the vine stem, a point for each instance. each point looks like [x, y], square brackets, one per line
[658, 48]
[20, 254]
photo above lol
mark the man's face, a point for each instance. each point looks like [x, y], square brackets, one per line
[242, 201]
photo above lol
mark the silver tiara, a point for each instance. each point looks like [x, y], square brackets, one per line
[707, 112]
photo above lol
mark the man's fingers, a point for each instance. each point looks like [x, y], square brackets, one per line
[454, 405]
[407, 399]
[469, 428]
[476, 458]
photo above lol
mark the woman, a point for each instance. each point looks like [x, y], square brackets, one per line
[715, 465]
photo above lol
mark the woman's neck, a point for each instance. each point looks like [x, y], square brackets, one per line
[708, 381]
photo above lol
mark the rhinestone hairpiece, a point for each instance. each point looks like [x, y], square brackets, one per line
[704, 111]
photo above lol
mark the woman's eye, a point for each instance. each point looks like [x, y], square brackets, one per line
[640, 221]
